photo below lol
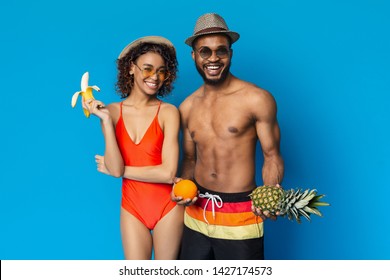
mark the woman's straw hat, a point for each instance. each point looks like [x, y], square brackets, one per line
[147, 39]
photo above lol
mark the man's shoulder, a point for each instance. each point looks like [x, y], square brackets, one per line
[251, 87]
[189, 99]
[251, 90]
[252, 97]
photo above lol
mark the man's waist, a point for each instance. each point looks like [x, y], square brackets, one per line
[239, 195]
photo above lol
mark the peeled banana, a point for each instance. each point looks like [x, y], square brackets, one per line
[86, 92]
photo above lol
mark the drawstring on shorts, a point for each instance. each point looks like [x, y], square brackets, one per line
[215, 199]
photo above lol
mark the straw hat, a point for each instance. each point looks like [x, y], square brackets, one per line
[147, 39]
[211, 24]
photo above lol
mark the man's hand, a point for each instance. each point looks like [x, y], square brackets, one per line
[178, 199]
[265, 214]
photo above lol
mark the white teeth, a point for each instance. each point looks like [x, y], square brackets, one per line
[151, 84]
[213, 67]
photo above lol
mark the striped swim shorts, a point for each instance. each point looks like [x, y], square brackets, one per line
[222, 226]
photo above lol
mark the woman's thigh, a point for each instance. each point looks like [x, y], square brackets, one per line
[167, 234]
[136, 237]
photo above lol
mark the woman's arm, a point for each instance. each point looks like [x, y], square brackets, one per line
[113, 158]
[166, 171]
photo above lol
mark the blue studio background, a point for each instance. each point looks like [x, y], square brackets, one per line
[326, 62]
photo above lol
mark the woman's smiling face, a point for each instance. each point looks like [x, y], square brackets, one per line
[148, 72]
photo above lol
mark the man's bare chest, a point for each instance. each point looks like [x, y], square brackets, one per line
[206, 122]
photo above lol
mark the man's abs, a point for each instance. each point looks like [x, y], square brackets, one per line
[225, 169]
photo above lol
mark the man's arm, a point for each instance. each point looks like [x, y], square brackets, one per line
[189, 155]
[268, 132]
[188, 161]
[188, 145]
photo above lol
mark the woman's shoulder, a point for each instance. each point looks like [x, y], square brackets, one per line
[169, 110]
[114, 105]
[114, 109]
[168, 106]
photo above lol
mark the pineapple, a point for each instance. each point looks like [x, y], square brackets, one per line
[293, 203]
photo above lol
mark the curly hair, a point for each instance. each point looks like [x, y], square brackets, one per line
[125, 82]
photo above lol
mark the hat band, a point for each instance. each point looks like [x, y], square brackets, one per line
[211, 29]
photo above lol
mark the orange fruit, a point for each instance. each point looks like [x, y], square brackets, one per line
[186, 189]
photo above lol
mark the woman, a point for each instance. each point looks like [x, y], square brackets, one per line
[141, 137]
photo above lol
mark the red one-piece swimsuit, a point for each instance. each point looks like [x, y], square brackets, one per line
[148, 202]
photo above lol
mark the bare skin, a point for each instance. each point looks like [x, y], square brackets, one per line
[221, 125]
[138, 111]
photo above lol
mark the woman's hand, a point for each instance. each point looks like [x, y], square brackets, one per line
[97, 108]
[101, 167]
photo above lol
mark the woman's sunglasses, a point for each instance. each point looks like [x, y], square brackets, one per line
[148, 71]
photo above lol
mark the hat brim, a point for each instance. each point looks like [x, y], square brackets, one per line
[234, 36]
[146, 39]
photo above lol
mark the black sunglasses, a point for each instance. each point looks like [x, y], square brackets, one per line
[206, 52]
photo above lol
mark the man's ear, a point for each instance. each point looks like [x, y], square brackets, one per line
[193, 55]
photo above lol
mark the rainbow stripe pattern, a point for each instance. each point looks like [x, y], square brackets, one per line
[227, 220]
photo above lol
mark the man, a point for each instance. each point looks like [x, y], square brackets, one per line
[222, 121]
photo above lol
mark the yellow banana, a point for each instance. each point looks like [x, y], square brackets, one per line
[86, 92]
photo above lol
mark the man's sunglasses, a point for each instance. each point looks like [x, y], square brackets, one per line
[206, 52]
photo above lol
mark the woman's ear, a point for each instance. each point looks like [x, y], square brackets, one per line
[131, 71]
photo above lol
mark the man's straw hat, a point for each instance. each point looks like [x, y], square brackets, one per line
[211, 24]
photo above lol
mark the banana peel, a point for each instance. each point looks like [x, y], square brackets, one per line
[85, 92]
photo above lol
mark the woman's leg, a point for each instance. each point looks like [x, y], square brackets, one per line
[167, 235]
[136, 237]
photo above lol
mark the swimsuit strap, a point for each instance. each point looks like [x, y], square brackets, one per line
[121, 109]
[121, 105]
[158, 110]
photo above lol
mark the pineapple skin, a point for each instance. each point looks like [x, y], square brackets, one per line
[268, 198]
[291, 203]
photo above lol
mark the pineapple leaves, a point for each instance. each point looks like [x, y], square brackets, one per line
[293, 203]
[312, 211]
